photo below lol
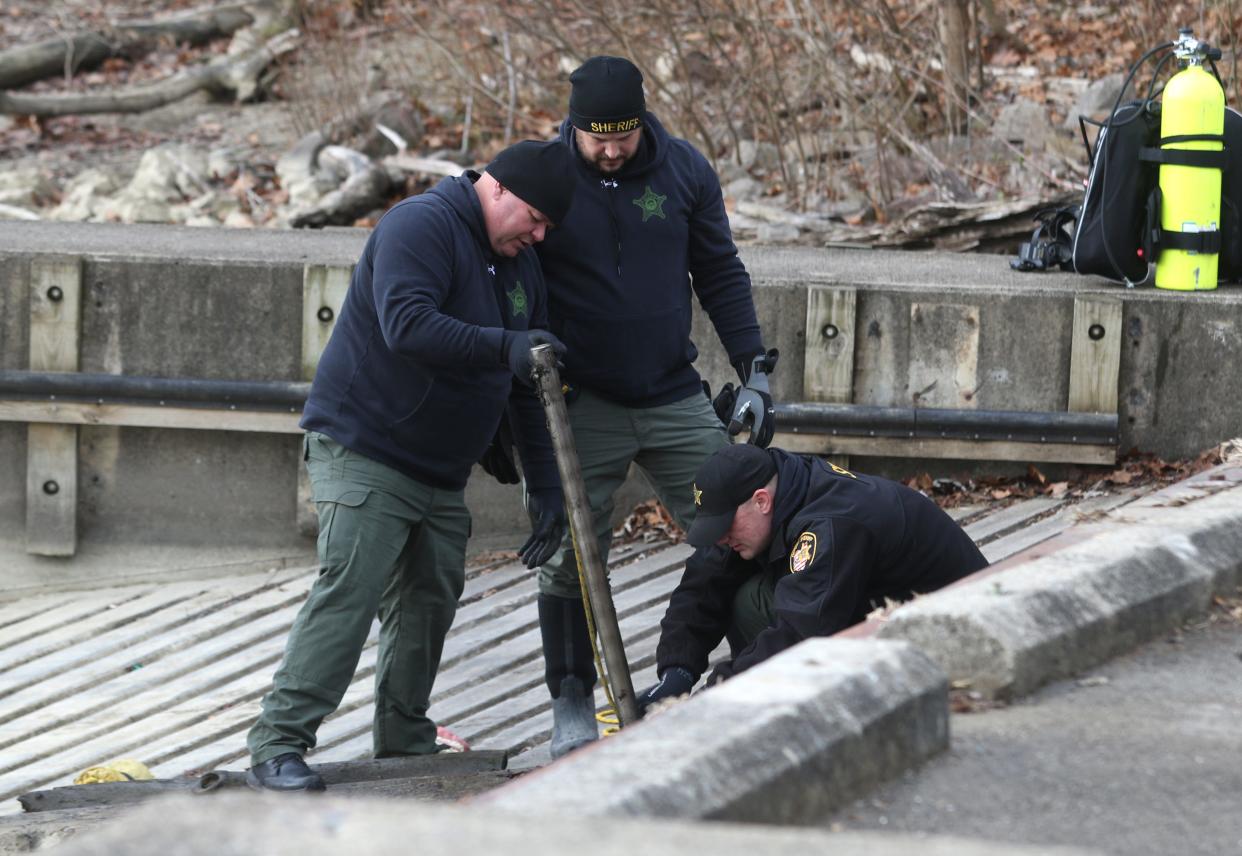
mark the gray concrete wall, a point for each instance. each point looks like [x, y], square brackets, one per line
[223, 304]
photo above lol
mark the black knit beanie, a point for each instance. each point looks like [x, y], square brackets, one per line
[538, 173]
[607, 96]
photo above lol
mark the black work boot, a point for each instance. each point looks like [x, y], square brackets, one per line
[287, 772]
[569, 672]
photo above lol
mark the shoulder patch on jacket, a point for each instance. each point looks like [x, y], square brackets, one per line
[803, 552]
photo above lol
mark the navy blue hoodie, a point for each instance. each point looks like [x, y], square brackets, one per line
[414, 375]
[842, 543]
[621, 269]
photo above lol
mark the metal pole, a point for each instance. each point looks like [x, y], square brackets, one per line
[548, 382]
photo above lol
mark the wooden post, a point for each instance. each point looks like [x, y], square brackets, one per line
[548, 382]
[52, 450]
[1095, 355]
[943, 368]
[828, 373]
[323, 295]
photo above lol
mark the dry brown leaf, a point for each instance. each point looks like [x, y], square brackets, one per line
[1006, 58]
[971, 701]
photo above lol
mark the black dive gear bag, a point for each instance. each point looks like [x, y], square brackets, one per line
[1109, 239]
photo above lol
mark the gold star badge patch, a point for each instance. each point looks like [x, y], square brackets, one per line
[803, 552]
[698, 494]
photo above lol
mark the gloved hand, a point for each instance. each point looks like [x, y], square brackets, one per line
[753, 408]
[723, 402]
[497, 460]
[722, 672]
[517, 345]
[547, 526]
[674, 681]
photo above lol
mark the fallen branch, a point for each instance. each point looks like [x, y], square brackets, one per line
[14, 212]
[951, 226]
[363, 190]
[429, 166]
[234, 76]
[66, 54]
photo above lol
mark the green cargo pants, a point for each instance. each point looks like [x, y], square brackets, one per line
[388, 545]
[668, 442]
[753, 610]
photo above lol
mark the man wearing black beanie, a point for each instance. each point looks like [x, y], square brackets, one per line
[648, 229]
[430, 353]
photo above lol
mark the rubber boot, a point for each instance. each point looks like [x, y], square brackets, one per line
[569, 672]
[573, 718]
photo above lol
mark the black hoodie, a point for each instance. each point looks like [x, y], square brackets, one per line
[842, 543]
[414, 375]
[621, 269]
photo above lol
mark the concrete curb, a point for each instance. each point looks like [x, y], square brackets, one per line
[785, 742]
[1135, 576]
[815, 727]
[326, 826]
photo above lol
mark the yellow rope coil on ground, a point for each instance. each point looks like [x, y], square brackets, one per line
[123, 770]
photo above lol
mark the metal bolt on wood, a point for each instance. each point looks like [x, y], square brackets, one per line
[548, 382]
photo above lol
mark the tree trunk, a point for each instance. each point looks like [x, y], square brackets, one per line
[955, 53]
[71, 53]
[231, 74]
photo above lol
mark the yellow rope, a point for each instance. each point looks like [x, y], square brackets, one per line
[607, 716]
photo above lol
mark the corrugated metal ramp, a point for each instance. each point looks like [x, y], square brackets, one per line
[172, 674]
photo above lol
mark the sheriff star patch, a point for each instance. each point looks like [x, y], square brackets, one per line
[517, 300]
[803, 552]
[651, 204]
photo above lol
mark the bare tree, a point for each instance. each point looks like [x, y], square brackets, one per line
[955, 55]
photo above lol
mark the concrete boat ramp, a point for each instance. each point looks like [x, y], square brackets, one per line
[172, 673]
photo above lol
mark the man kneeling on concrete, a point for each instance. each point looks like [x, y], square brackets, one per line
[431, 349]
[792, 547]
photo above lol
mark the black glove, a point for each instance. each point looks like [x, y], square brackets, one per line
[723, 402]
[497, 461]
[547, 526]
[517, 345]
[674, 681]
[722, 672]
[753, 408]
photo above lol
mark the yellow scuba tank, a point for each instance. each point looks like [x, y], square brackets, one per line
[1192, 119]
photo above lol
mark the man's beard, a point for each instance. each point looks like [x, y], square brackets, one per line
[614, 164]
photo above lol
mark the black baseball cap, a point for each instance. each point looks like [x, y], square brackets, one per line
[725, 481]
[539, 173]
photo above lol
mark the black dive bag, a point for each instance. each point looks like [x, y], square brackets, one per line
[1109, 239]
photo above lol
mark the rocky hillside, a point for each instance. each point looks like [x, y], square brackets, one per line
[827, 123]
